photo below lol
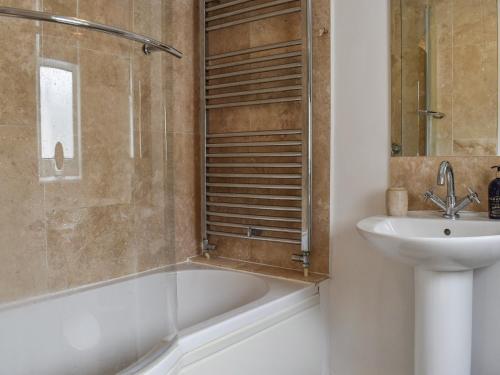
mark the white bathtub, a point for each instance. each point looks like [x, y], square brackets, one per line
[103, 328]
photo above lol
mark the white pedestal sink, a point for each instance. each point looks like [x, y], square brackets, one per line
[444, 253]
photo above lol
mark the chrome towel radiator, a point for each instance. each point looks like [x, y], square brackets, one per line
[256, 183]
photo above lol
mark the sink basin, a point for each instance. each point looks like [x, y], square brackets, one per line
[444, 253]
[435, 243]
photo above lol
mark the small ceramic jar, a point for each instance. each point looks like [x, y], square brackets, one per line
[397, 201]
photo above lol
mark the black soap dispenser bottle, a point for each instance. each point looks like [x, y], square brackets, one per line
[494, 196]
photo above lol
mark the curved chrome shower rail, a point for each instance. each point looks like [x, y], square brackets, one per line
[149, 44]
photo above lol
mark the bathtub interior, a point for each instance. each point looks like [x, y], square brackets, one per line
[205, 293]
[97, 330]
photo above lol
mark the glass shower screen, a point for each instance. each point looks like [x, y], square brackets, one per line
[87, 223]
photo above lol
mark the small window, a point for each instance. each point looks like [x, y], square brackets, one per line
[58, 120]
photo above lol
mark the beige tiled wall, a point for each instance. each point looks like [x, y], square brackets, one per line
[418, 174]
[118, 218]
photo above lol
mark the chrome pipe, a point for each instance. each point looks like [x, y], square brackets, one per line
[254, 165]
[245, 51]
[256, 196]
[255, 92]
[271, 239]
[264, 69]
[255, 133]
[258, 227]
[256, 175]
[226, 5]
[254, 217]
[307, 191]
[248, 9]
[253, 18]
[254, 186]
[254, 144]
[255, 102]
[149, 44]
[255, 81]
[205, 245]
[254, 60]
[254, 206]
[256, 155]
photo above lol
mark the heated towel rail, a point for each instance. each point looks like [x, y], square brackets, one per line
[149, 44]
[256, 184]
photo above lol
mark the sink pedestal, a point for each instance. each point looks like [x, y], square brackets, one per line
[452, 249]
[443, 322]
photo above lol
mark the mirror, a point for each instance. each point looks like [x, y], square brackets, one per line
[444, 73]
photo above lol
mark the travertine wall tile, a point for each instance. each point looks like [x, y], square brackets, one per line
[418, 174]
[17, 72]
[187, 195]
[117, 13]
[23, 266]
[87, 245]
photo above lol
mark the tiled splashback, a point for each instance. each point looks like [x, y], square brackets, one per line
[117, 216]
[418, 174]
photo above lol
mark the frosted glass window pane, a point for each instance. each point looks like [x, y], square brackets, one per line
[56, 111]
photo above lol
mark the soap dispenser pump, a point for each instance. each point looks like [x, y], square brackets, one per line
[494, 195]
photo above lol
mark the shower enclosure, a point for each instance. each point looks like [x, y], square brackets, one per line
[87, 184]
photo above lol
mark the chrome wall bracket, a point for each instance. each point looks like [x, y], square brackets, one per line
[148, 49]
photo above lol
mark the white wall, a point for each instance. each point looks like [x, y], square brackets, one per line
[486, 316]
[371, 296]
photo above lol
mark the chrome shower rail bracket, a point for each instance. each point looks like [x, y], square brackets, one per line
[149, 44]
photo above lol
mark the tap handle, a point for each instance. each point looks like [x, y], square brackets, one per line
[428, 194]
[473, 196]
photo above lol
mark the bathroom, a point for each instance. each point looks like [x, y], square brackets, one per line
[237, 187]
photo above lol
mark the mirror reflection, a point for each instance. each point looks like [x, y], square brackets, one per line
[444, 78]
